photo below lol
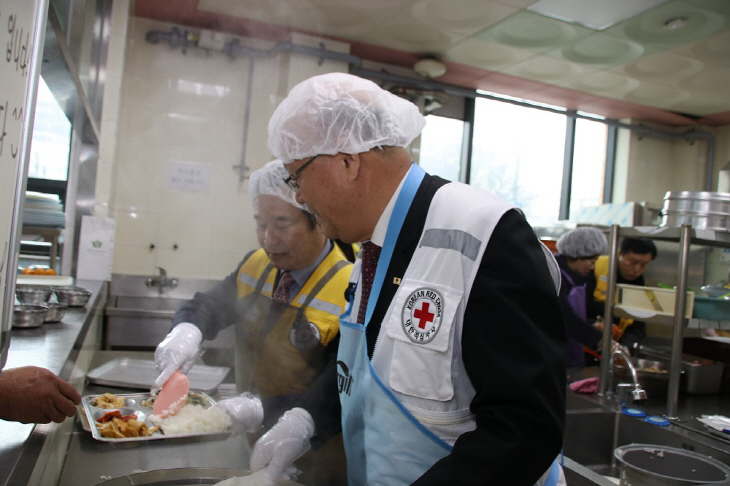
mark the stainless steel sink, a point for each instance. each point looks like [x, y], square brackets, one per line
[593, 429]
[138, 316]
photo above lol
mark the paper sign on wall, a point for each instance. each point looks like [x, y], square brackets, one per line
[189, 176]
[96, 248]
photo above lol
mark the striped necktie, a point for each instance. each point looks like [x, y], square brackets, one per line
[370, 253]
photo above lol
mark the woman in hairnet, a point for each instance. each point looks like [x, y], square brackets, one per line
[578, 251]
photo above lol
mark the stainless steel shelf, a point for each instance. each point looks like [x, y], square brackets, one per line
[685, 236]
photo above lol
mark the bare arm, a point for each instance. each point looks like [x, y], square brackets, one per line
[31, 394]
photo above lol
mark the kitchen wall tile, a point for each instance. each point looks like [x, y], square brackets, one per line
[183, 263]
[188, 232]
[136, 228]
[191, 108]
[233, 235]
[133, 260]
[223, 263]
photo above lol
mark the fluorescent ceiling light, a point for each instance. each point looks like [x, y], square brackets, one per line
[595, 14]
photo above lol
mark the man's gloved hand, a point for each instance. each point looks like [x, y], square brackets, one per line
[246, 409]
[178, 351]
[283, 444]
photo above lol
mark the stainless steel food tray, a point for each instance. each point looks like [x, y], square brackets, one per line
[141, 373]
[181, 477]
[133, 404]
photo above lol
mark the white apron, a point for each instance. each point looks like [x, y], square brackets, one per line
[385, 444]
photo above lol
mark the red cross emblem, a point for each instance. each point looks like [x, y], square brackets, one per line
[422, 314]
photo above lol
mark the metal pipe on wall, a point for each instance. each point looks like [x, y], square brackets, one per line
[233, 48]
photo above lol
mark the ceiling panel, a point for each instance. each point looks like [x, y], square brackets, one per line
[669, 64]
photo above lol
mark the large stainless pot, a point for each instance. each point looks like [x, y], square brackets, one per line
[702, 210]
[182, 477]
[654, 465]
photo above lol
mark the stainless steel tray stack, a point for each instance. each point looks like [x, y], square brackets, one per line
[141, 373]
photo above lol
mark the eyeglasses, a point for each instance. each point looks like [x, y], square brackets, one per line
[291, 181]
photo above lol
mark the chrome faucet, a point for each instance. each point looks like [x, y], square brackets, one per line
[161, 281]
[638, 394]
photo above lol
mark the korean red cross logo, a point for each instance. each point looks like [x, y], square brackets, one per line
[422, 315]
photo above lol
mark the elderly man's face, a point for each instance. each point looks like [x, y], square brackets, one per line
[633, 265]
[324, 188]
[286, 234]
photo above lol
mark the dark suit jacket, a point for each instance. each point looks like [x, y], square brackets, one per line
[513, 347]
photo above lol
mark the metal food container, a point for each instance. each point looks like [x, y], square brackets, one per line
[183, 477]
[700, 209]
[656, 465]
[56, 311]
[72, 296]
[28, 316]
[699, 376]
[32, 295]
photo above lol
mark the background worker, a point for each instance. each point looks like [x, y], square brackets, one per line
[578, 251]
[34, 395]
[451, 369]
[284, 299]
[634, 256]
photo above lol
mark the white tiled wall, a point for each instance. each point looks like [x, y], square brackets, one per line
[189, 107]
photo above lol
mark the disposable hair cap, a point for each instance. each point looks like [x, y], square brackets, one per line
[339, 112]
[582, 242]
[269, 180]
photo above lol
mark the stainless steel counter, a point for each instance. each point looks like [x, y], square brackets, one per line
[61, 348]
[89, 461]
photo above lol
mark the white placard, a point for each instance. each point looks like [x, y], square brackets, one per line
[96, 248]
[22, 28]
[189, 176]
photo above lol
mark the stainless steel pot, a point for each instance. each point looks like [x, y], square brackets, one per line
[182, 477]
[32, 295]
[73, 296]
[29, 315]
[701, 209]
[654, 465]
[56, 311]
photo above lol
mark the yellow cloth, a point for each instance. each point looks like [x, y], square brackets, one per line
[599, 294]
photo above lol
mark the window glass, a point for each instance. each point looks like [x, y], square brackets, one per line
[441, 147]
[51, 142]
[589, 165]
[518, 154]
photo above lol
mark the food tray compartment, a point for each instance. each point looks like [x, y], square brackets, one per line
[651, 300]
[137, 404]
[141, 373]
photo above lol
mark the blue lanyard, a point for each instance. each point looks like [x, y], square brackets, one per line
[402, 204]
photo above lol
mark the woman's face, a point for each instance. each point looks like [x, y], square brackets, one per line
[583, 266]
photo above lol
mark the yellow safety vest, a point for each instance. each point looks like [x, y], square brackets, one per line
[268, 362]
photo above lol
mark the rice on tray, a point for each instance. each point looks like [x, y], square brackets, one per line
[194, 419]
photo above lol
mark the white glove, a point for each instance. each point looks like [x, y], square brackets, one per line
[256, 479]
[283, 444]
[178, 351]
[246, 409]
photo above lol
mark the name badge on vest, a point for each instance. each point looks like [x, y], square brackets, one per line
[422, 315]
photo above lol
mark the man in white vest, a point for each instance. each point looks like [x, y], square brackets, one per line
[451, 361]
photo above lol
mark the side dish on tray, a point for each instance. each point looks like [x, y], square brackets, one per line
[121, 418]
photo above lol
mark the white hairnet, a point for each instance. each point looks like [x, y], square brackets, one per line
[339, 112]
[269, 180]
[582, 242]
